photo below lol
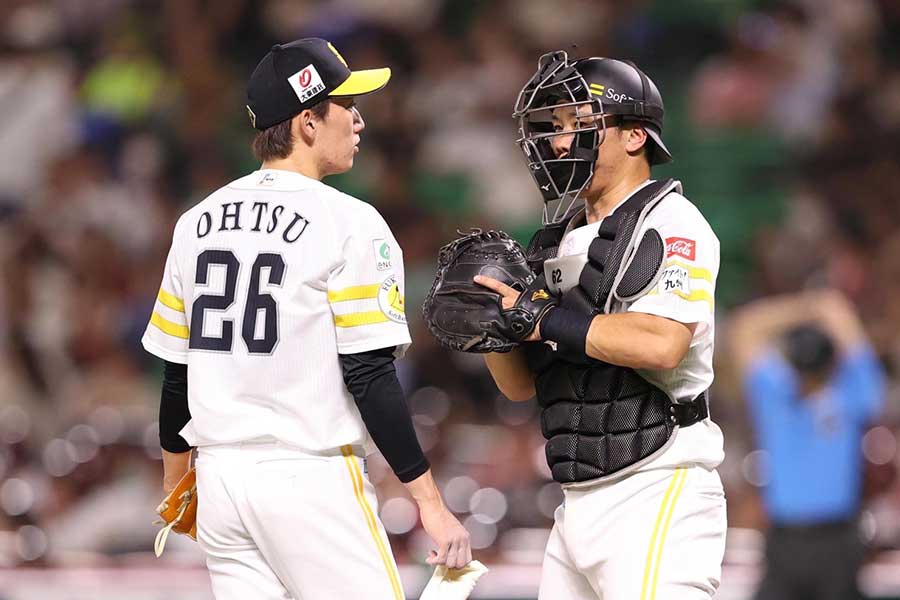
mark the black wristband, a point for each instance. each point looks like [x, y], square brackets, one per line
[567, 328]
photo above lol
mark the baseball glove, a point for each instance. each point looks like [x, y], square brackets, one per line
[178, 511]
[465, 316]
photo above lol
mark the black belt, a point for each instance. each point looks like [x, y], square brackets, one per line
[687, 413]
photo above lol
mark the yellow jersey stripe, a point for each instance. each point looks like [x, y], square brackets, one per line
[648, 563]
[693, 272]
[166, 326]
[356, 292]
[695, 296]
[356, 477]
[170, 300]
[360, 318]
[665, 530]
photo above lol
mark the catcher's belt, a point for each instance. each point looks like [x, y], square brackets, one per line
[178, 511]
[600, 420]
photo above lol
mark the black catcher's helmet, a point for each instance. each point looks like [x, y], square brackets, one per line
[607, 87]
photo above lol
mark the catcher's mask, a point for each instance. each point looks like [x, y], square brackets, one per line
[595, 88]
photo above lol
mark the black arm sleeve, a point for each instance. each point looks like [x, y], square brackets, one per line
[173, 408]
[372, 380]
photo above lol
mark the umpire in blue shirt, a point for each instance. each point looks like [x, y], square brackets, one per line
[813, 384]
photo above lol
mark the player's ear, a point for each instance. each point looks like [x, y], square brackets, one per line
[635, 138]
[304, 126]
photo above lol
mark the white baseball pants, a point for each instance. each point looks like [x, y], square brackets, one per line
[655, 535]
[277, 523]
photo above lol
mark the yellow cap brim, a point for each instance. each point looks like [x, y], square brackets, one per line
[363, 82]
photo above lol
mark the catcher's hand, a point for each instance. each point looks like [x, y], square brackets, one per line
[465, 315]
[178, 511]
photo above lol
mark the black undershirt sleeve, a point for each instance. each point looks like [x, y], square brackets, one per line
[173, 408]
[372, 381]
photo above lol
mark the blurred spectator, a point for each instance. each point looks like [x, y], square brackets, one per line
[813, 384]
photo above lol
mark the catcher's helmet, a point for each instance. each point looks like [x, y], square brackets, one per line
[607, 87]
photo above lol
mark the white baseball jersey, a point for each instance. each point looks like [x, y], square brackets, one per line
[685, 293]
[267, 281]
[668, 517]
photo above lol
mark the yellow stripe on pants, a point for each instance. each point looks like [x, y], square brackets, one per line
[356, 477]
[664, 519]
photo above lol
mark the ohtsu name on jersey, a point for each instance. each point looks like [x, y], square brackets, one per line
[261, 217]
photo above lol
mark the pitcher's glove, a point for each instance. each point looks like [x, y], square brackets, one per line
[178, 511]
[465, 316]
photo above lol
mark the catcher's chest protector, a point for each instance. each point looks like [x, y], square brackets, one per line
[602, 420]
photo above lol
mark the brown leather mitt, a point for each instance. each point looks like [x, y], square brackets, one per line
[178, 511]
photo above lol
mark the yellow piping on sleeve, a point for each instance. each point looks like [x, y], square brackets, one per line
[360, 318]
[356, 292]
[695, 296]
[693, 272]
[168, 327]
[170, 300]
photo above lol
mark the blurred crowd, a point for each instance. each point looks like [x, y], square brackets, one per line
[117, 115]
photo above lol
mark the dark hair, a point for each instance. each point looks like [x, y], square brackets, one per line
[809, 350]
[277, 141]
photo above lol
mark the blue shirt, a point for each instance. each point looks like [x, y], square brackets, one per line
[814, 464]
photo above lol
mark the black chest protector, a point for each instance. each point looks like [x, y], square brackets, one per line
[599, 419]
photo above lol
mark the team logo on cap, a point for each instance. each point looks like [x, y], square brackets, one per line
[306, 83]
[252, 116]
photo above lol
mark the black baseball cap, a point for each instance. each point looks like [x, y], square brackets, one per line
[293, 77]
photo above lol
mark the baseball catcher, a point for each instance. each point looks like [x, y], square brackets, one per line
[608, 321]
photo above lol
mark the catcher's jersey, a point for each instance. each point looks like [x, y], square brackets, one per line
[268, 280]
[685, 293]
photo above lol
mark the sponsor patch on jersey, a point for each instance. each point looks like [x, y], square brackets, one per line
[683, 247]
[306, 83]
[390, 300]
[382, 254]
[267, 179]
[675, 279]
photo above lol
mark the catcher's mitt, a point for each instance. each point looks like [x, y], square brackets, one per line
[178, 511]
[465, 316]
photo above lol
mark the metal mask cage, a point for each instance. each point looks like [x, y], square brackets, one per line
[555, 85]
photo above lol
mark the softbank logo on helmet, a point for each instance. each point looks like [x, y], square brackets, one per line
[599, 89]
[613, 95]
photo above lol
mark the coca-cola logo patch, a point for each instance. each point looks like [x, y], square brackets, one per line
[683, 247]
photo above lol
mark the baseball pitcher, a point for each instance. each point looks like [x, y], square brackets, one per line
[279, 318]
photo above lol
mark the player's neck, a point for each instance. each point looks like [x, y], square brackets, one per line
[600, 203]
[297, 163]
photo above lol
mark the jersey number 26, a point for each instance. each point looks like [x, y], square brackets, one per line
[256, 303]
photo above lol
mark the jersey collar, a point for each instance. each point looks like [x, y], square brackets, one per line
[276, 179]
